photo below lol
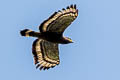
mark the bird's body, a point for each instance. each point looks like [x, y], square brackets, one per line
[49, 36]
[45, 47]
[55, 37]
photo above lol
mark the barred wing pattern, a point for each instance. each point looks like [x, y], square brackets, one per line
[46, 54]
[60, 20]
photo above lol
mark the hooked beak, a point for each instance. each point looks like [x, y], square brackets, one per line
[71, 41]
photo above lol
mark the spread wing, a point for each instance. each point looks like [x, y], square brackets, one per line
[46, 54]
[60, 20]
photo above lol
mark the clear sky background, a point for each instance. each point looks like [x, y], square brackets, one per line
[94, 55]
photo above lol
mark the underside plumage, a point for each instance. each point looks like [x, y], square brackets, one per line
[60, 20]
[45, 53]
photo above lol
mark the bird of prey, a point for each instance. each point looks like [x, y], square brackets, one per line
[45, 47]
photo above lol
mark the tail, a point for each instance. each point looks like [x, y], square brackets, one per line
[29, 33]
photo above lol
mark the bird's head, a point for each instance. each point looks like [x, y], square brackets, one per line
[67, 40]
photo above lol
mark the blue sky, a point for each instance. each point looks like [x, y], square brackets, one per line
[94, 55]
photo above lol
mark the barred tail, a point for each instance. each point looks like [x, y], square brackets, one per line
[29, 33]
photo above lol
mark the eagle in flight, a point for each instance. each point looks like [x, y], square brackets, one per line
[45, 47]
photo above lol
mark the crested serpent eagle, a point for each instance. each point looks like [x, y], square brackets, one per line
[45, 47]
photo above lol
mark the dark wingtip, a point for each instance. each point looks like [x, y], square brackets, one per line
[71, 5]
[45, 68]
[67, 7]
[77, 11]
[37, 66]
[75, 6]
[63, 8]
[41, 67]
